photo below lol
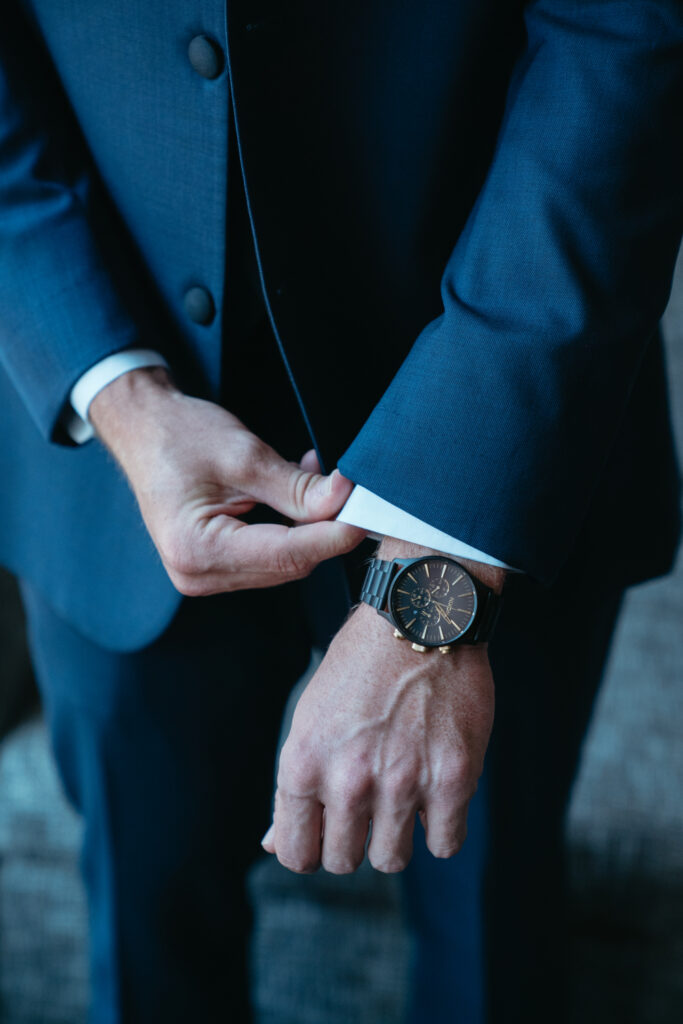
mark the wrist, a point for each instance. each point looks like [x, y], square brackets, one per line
[122, 412]
[491, 575]
[128, 396]
[371, 634]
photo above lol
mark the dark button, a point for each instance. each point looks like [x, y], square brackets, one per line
[206, 56]
[199, 305]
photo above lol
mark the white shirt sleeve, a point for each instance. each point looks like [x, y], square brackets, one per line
[78, 425]
[382, 519]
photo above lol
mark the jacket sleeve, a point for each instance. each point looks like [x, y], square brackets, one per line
[497, 427]
[60, 311]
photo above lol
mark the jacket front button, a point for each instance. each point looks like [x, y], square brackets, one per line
[205, 56]
[199, 305]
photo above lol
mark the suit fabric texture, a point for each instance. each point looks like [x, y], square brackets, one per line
[464, 220]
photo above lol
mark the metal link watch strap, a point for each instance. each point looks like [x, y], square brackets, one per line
[488, 617]
[376, 584]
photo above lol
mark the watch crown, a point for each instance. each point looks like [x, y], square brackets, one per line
[418, 647]
[398, 634]
[445, 649]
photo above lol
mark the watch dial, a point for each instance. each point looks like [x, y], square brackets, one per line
[433, 601]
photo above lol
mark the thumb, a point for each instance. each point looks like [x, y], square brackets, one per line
[300, 494]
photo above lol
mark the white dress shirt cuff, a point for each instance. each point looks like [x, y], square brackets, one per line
[382, 519]
[85, 389]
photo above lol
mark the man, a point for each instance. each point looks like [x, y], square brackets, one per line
[530, 149]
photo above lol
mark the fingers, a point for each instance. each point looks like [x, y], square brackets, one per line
[297, 841]
[309, 462]
[344, 836]
[234, 556]
[304, 835]
[293, 552]
[445, 826]
[304, 496]
[296, 835]
[442, 810]
[297, 832]
[391, 845]
[300, 493]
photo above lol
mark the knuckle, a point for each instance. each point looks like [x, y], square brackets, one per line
[247, 454]
[188, 586]
[178, 557]
[388, 864]
[292, 564]
[446, 846]
[300, 865]
[300, 489]
[350, 791]
[297, 772]
[445, 850]
[341, 865]
[400, 787]
[458, 777]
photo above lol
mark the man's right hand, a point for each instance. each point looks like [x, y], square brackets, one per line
[194, 469]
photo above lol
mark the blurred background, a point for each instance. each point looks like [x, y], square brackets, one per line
[329, 950]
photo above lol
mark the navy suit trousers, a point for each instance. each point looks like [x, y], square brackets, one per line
[491, 924]
[168, 753]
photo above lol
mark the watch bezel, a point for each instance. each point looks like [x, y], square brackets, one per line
[406, 565]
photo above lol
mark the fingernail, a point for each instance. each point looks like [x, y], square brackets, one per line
[268, 836]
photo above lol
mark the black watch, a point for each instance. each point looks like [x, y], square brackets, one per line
[432, 601]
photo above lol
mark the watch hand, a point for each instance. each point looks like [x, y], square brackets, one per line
[443, 614]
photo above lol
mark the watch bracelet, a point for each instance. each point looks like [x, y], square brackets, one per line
[489, 617]
[376, 583]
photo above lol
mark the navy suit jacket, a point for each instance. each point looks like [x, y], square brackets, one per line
[467, 216]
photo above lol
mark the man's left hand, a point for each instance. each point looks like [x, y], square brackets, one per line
[381, 732]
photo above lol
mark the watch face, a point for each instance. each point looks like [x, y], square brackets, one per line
[433, 601]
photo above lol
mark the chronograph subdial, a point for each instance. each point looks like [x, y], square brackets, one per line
[439, 589]
[433, 601]
[429, 616]
[420, 597]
